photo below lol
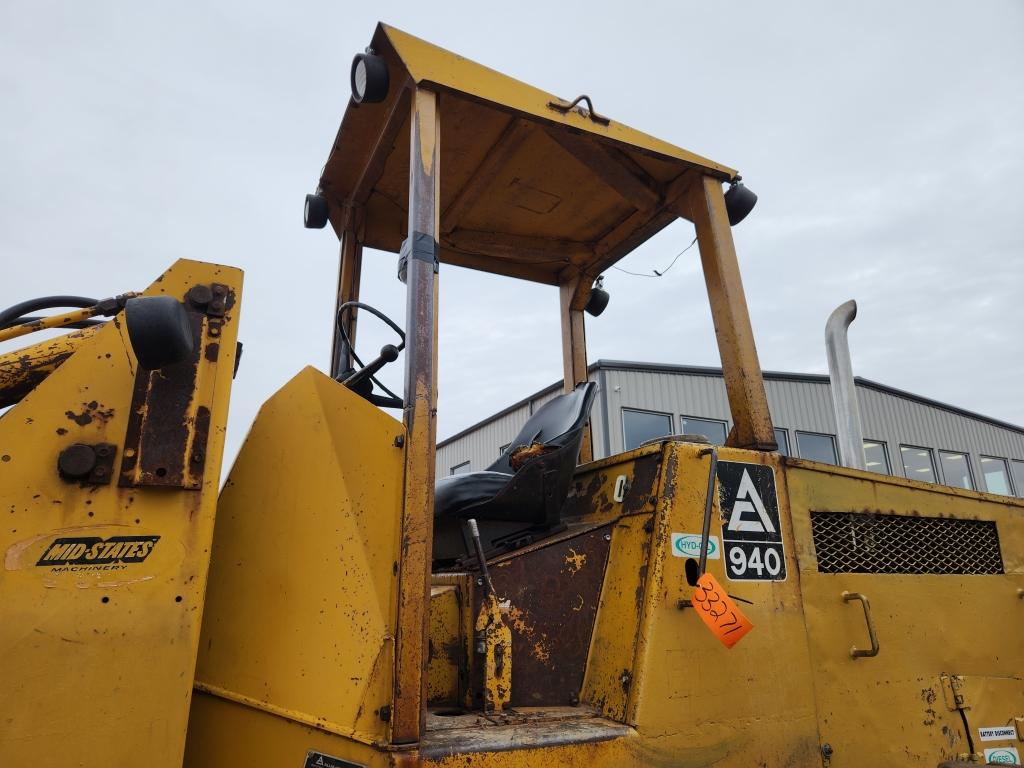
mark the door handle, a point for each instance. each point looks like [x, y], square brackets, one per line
[856, 652]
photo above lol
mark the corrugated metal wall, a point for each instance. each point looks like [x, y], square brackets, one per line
[796, 403]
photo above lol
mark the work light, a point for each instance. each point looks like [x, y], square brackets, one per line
[739, 201]
[315, 213]
[369, 78]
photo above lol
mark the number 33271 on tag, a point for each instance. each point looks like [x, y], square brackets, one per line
[718, 611]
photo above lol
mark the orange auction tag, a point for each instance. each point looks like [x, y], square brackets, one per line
[719, 612]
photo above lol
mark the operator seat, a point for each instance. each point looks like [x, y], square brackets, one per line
[509, 504]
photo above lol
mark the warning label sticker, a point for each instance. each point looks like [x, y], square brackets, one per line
[998, 733]
[320, 760]
[688, 545]
[1002, 756]
[751, 527]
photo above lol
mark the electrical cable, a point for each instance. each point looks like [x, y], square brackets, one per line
[656, 272]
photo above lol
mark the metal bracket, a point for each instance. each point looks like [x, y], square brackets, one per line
[165, 444]
[952, 692]
[564, 108]
[709, 502]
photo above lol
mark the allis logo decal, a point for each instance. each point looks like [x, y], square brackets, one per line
[91, 550]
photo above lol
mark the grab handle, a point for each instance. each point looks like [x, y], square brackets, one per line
[856, 652]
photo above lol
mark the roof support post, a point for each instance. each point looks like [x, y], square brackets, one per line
[704, 205]
[574, 293]
[348, 290]
[420, 417]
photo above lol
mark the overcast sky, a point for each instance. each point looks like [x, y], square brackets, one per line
[884, 140]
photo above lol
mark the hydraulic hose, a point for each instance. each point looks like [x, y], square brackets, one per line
[12, 315]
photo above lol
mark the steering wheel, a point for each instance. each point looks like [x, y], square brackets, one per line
[361, 380]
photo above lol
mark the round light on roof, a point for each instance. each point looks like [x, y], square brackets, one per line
[369, 78]
[739, 201]
[316, 212]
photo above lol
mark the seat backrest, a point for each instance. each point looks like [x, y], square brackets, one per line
[556, 423]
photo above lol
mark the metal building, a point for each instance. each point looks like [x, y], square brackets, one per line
[904, 434]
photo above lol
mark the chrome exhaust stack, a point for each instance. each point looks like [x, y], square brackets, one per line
[850, 434]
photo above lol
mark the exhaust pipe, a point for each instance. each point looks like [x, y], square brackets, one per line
[844, 394]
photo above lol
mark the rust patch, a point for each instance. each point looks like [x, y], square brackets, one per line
[158, 448]
[212, 352]
[91, 411]
[553, 593]
[642, 485]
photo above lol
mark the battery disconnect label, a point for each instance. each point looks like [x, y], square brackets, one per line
[751, 525]
[998, 733]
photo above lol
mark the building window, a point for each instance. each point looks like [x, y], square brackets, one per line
[782, 438]
[816, 447]
[712, 429]
[460, 469]
[640, 426]
[1017, 467]
[876, 457]
[997, 477]
[918, 463]
[956, 470]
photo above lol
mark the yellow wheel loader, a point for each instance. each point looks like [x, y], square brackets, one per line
[680, 604]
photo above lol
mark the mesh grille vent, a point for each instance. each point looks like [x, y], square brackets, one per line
[861, 542]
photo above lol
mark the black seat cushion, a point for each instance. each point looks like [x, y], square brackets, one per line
[535, 492]
[466, 490]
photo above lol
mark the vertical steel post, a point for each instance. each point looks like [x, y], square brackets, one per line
[407, 717]
[573, 294]
[704, 205]
[348, 290]
[844, 392]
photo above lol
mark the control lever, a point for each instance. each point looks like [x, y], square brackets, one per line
[388, 354]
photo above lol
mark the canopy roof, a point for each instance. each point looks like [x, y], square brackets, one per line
[525, 190]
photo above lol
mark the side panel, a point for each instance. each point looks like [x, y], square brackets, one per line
[301, 608]
[693, 701]
[929, 624]
[98, 634]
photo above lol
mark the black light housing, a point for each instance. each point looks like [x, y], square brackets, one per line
[159, 330]
[369, 78]
[314, 215]
[598, 301]
[739, 201]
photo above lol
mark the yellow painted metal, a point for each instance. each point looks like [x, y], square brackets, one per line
[48, 323]
[512, 169]
[420, 422]
[96, 659]
[22, 369]
[429, 64]
[496, 638]
[748, 403]
[302, 603]
[573, 294]
[927, 625]
[447, 655]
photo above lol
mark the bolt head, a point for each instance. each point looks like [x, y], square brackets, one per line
[76, 461]
[200, 295]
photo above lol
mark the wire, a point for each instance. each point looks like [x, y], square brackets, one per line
[656, 272]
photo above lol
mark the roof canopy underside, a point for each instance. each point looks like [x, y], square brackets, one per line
[525, 190]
